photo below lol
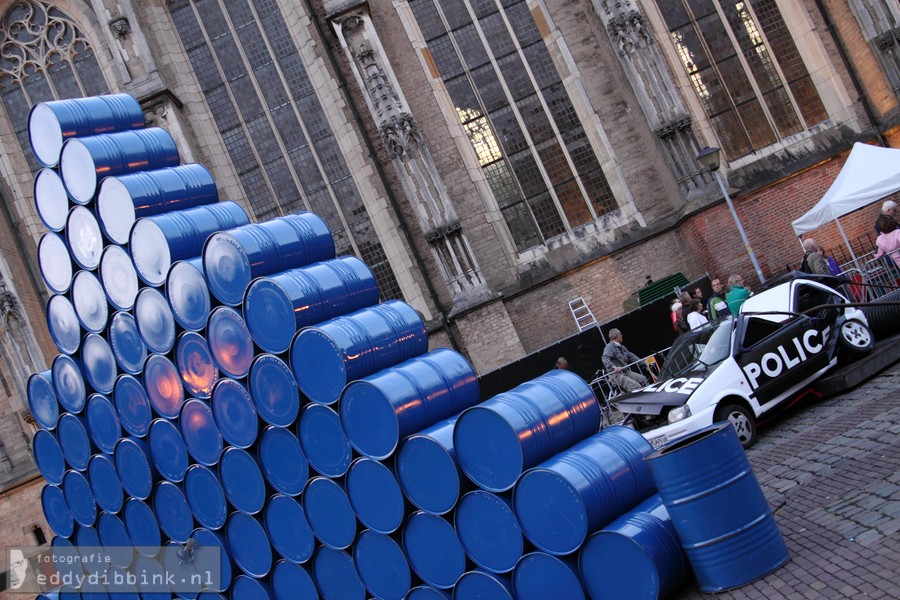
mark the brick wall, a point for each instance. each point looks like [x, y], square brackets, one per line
[489, 336]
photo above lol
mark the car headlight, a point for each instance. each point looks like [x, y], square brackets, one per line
[679, 413]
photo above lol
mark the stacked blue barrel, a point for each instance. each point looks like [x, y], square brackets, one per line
[235, 384]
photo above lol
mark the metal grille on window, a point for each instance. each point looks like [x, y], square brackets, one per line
[508, 96]
[273, 125]
[745, 68]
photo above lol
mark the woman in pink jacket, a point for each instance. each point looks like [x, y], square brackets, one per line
[888, 241]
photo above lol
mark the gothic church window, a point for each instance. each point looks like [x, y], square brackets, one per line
[511, 102]
[880, 23]
[745, 67]
[43, 56]
[276, 132]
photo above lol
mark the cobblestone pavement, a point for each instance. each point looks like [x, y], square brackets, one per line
[831, 473]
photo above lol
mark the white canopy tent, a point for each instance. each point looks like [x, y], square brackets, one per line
[870, 173]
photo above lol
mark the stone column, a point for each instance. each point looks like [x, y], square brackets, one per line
[409, 155]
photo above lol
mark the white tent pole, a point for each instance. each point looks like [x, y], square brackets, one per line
[846, 241]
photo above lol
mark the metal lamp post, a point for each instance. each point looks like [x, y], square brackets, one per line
[709, 159]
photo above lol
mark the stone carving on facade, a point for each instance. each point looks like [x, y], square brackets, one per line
[655, 88]
[120, 27]
[411, 157]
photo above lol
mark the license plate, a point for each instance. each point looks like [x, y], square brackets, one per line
[659, 441]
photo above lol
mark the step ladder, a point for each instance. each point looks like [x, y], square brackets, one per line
[583, 316]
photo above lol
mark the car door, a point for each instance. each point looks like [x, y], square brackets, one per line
[777, 352]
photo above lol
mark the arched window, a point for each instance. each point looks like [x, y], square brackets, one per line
[512, 104]
[745, 68]
[43, 56]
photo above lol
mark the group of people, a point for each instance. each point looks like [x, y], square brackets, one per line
[719, 304]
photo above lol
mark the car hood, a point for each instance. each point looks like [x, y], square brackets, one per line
[670, 392]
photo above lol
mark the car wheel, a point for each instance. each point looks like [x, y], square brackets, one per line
[856, 339]
[743, 421]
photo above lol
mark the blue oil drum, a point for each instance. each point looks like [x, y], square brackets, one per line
[335, 575]
[51, 123]
[380, 409]
[152, 584]
[200, 433]
[425, 592]
[117, 544]
[167, 450]
[707, 473]
[83, 238]
[188, 294]
[636, 556]
[242, 481]
[328, 356]
[118, 277]
[163, 385]
[102, 423]
[79, 498]
[48, 456]
[120, 584]
[132, 458]
[122, 199]
[375, 495]
[288, 529]
[90, 302]
[172, 511]
[133, 405]
[142, 526]
[63, 324]
[84, 161]
[539, 575]
[234, 413]
[248, 544]
[42, 401]
[499, 439]
[205, 497]
[68, 383]
[157, 241]
[489, 531]
[204, 538]
[381, 565]
[329, 513]
[282, 461]
[433, 549]
[56, 511]
[274, 390]
[427, 470]
[50, 200]
[128, 347]
[248, 588]
[230, 342]
[481, 585]
[323, 441]
[105, 483]
[292, 582]
[98, 363]
[233, 258]
[561, 501]
[74, 441]
[276, 307]
[195, 364]
[55, 263]
[154, 320]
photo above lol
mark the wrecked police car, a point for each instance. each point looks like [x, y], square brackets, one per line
[743, 368]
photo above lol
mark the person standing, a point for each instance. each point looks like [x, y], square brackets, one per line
[814, 260]
[678, 322]
[737, 294]
[616, 358]
[562, 363]
[695, 317]
[717, 306]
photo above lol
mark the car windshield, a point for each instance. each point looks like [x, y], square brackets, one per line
[705, 345]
